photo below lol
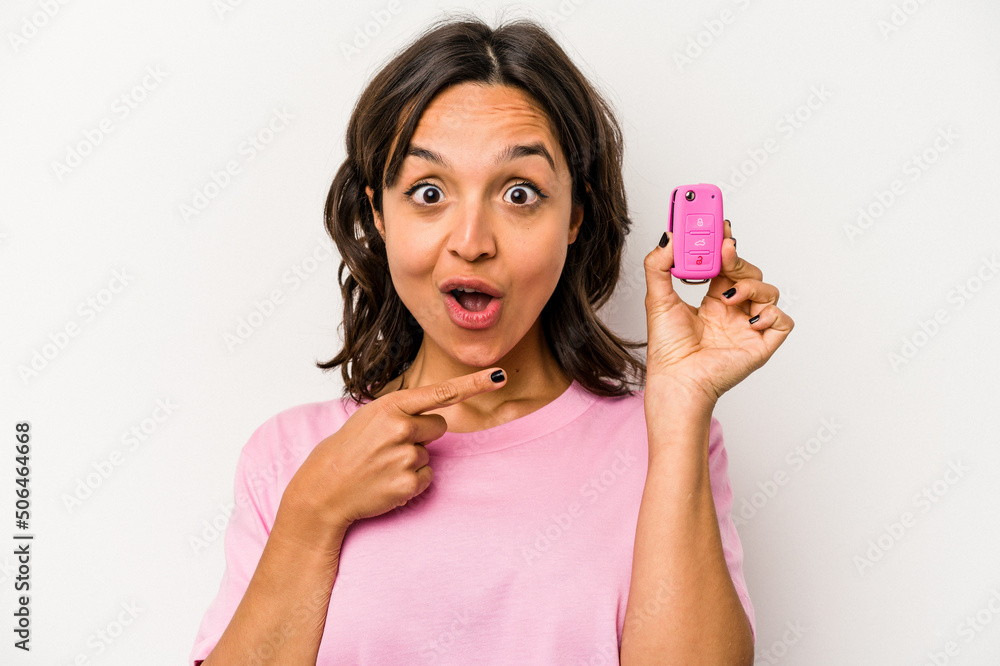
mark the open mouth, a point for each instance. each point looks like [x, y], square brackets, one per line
[472, 309]
[473, 301]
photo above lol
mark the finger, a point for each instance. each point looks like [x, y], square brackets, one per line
[734, 268]
[659, 279]
[413, 430]
[751, 295]
[442, 394]
[727, 232]
[774, 324]
[425, 475]
[422, 457]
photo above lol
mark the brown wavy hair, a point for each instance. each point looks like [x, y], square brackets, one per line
[381, 337]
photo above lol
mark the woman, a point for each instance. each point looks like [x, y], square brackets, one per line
[494, 490]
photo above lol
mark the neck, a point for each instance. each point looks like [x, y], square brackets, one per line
[531, 369]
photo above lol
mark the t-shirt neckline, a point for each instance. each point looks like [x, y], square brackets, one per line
[565, 408]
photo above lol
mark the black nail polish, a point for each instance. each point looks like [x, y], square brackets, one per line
[664, 240]
[729, 292]
[754, 318]
[497, 376]
[734, 243]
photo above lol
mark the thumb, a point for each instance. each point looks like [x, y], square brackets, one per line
[659, 279]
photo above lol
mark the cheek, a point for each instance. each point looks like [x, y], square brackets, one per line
[408, 250]
[411, 267]
[538, 263]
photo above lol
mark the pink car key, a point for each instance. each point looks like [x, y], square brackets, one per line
[697, 227]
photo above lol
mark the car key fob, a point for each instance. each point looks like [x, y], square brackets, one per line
[697, 229]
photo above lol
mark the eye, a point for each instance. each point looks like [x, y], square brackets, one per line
[524, 194]
[430, 196]
[521, 194]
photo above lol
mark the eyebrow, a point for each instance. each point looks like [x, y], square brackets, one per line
[511, 152]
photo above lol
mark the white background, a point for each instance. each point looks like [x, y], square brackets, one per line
[826, 547]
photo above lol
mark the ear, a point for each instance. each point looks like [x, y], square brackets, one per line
[575, 222]
[378, 218]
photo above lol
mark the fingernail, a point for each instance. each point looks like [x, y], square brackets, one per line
[664, 239]
[497, 376]
[734, 242]
[729, 292]
[754, 318]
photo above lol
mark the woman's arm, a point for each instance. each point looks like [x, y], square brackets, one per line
[683, 607]
[281, 617]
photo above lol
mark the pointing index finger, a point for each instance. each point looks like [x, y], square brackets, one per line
[448, 392]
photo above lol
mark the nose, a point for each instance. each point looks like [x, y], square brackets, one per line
[472, 232]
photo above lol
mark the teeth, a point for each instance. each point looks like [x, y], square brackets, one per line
[465, 289]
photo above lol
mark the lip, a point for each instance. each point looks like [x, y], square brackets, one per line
[473, 320]
[470, 282]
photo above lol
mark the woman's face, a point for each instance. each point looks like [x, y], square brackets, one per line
[477, 196]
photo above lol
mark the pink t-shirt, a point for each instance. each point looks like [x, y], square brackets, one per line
[520, 550]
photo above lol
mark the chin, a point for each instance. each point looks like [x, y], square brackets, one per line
[481, 353]
[475, 355]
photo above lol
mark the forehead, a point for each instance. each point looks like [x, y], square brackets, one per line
[469, 123]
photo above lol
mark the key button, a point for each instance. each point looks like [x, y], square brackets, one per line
[697, 261]
[700, 222]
